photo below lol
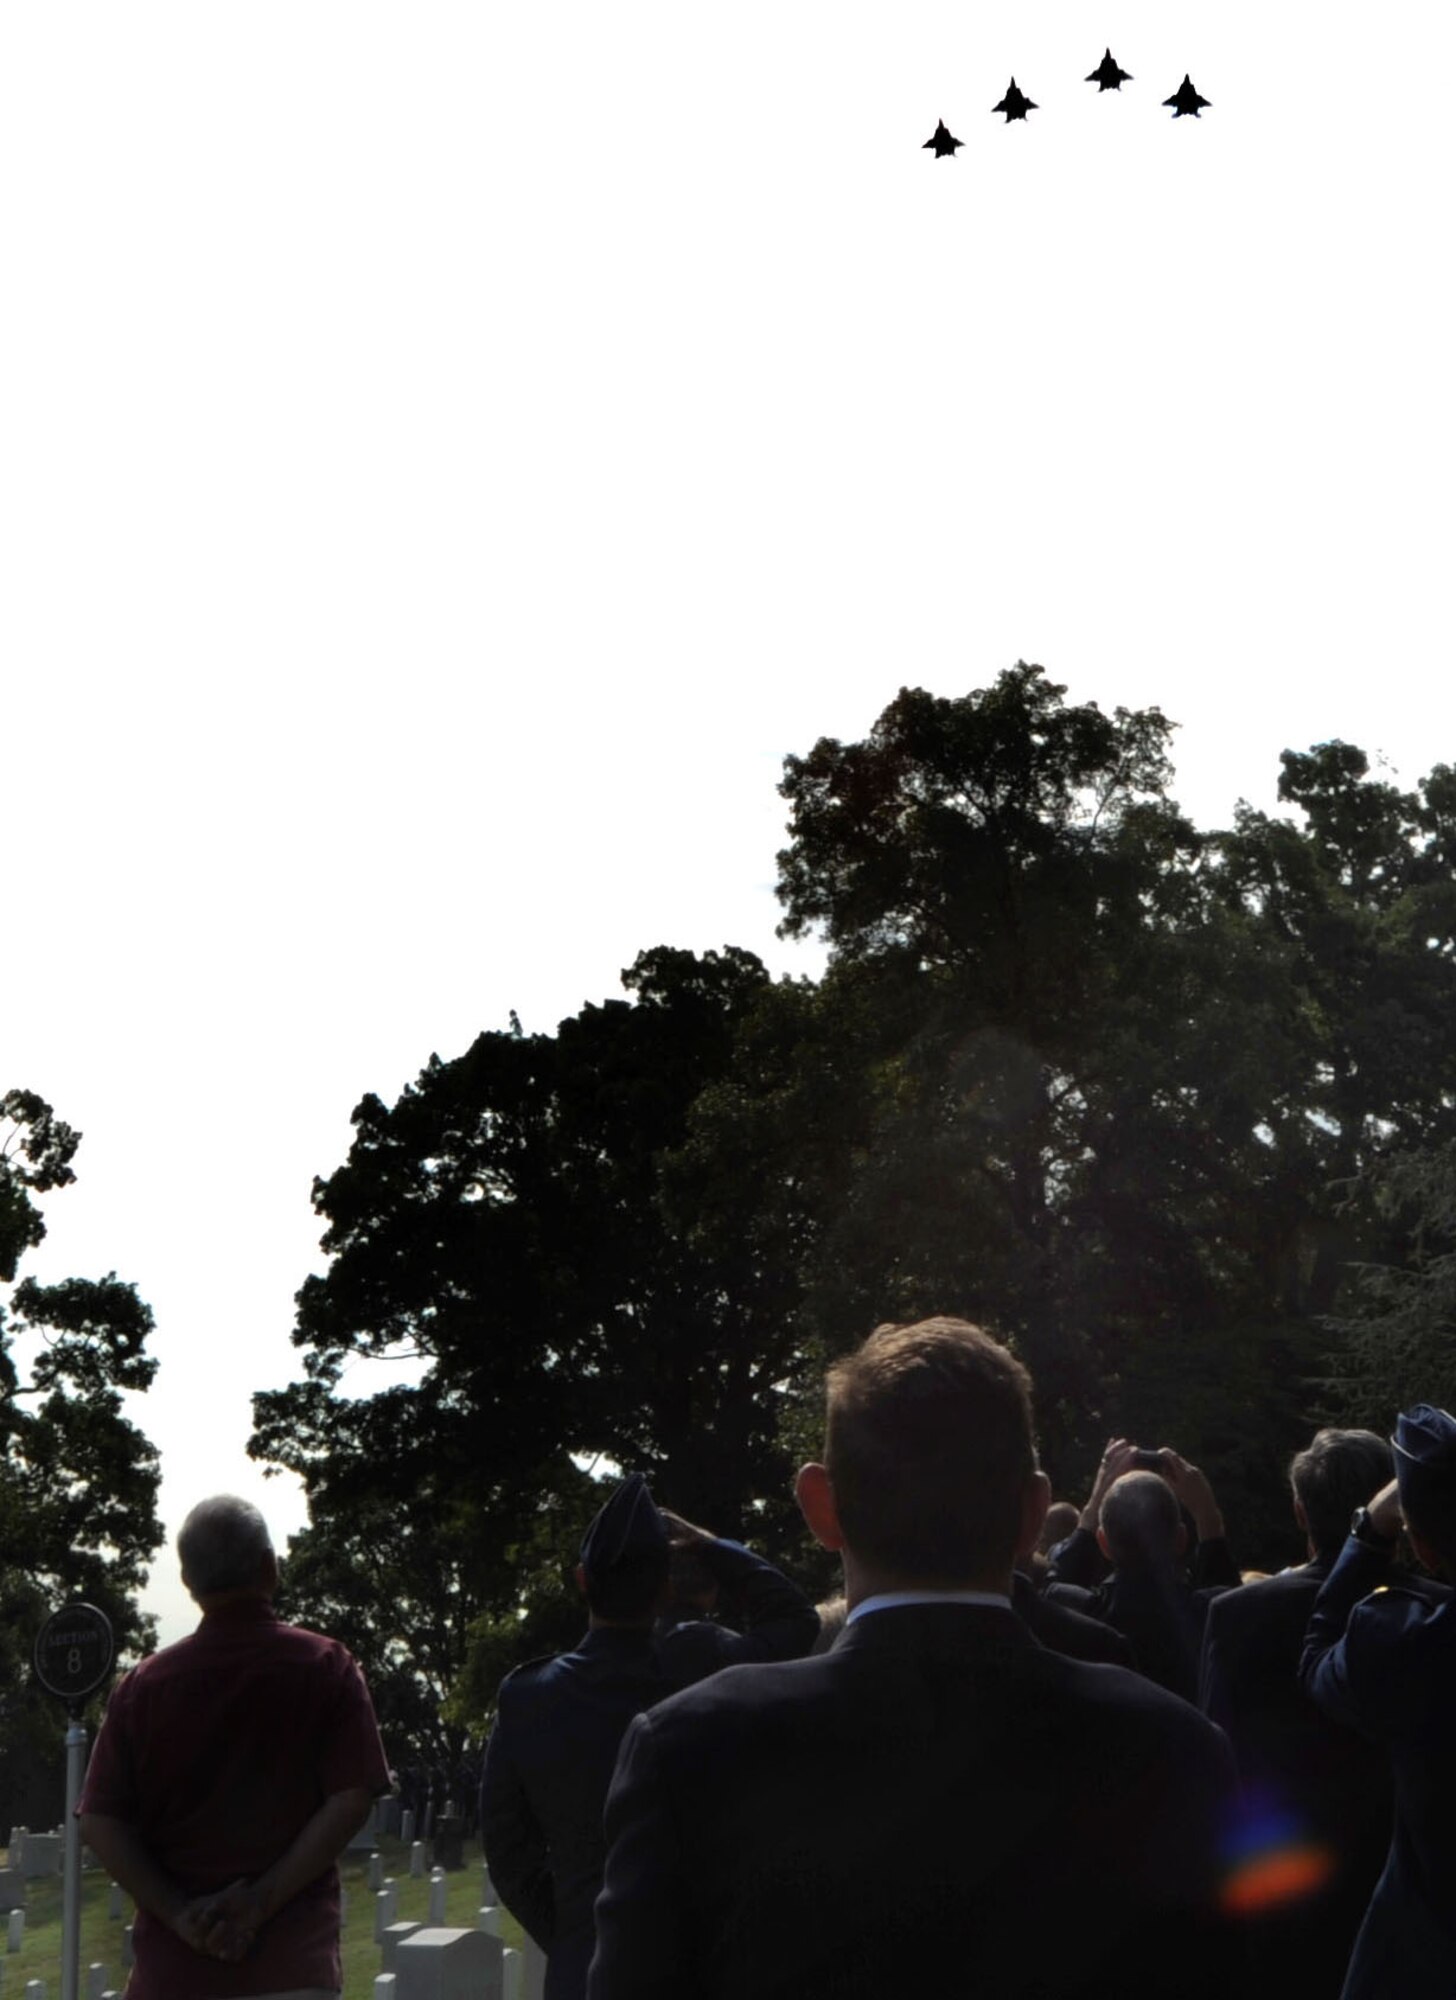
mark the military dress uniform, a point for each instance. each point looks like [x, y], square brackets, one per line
[560, 1722]
[1380, 1657]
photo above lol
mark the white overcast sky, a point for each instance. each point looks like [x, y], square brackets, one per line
[450, 454]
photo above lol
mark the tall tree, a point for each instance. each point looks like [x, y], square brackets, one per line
[1121, 1064]
[78, 1480]
[504, 1226]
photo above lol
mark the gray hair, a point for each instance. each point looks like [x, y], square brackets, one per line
[1140, 1519]
[223, 1545]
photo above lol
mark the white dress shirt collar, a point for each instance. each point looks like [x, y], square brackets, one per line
[891, 1600]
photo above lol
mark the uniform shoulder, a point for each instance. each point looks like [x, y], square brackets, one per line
[1401, 1605]
[530, 1674]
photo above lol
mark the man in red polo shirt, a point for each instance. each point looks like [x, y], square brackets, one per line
[229, 1773]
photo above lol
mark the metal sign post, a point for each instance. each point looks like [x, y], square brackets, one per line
[74, 1650]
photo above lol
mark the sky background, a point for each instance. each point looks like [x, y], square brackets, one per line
[449, 455]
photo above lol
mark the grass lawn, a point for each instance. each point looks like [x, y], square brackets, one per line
[40, 1956]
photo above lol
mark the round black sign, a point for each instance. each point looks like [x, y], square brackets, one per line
[73, 1651]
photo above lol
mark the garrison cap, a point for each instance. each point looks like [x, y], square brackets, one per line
[1425, 1460]
[627, 1530]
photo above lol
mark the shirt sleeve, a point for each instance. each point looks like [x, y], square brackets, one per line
[1344, 1667]
[352, 1755]
[515, 1841]
[109, 1787]
[779, 1622]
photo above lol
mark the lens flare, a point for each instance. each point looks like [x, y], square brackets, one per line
[1272, 1863]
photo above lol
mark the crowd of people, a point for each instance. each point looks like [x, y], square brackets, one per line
[1035, 1751]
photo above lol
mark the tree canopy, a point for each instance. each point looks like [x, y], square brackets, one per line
[1117, 1086]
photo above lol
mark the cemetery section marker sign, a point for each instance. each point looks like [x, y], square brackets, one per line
[74, 1650]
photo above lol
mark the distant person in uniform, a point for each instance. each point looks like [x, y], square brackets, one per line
[938, 1804]
[1309, 1782]
[1380, 1657]
[559, 1721]
[229, 1773]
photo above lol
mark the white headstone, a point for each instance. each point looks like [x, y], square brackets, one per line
[533, 1971]
[18, 1837]
[488, 1893]
[417, 1860]
[438, 1889]
[115, 1902]
[384, 1986]
[12, 1889]
[511, 1973]
[386, 1907]
[374, 1873]
[491, 1921]
[15, 1934]
[35, 1989]
[406, 1827]
[390, 1943]
[42, 1856]
[128, 1949]
[449, 1965]
[95, 1981]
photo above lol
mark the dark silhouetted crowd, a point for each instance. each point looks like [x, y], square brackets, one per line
[1033, 1750]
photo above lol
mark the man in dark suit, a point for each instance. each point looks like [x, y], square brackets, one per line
[1315, 1787]
[559, 1721]
[1381, 1657]
[875, 1819]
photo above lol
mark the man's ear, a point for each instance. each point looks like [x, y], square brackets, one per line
[1034, 1503]
[1102, 1543]
[814, 1492]
[580, 1574]
[1301, 1518]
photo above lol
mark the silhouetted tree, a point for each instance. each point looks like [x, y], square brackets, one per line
[78, 1480]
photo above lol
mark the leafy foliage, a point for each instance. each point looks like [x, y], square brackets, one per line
[1397, 1334]
[1077, 1069]
[78, 1480]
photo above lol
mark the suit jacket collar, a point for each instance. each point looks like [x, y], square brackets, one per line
[933, 1628]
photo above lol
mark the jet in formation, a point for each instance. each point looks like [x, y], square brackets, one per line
[1107, 75]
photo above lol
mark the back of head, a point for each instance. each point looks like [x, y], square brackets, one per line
[929, 1449]
[1061, 1520]
[1337, 1472]
[223, 1545]
[1140, 1522]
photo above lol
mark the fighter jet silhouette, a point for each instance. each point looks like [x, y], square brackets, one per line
[1017, 105]
[942, 141]
[1185, 99]
[1107, 76]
